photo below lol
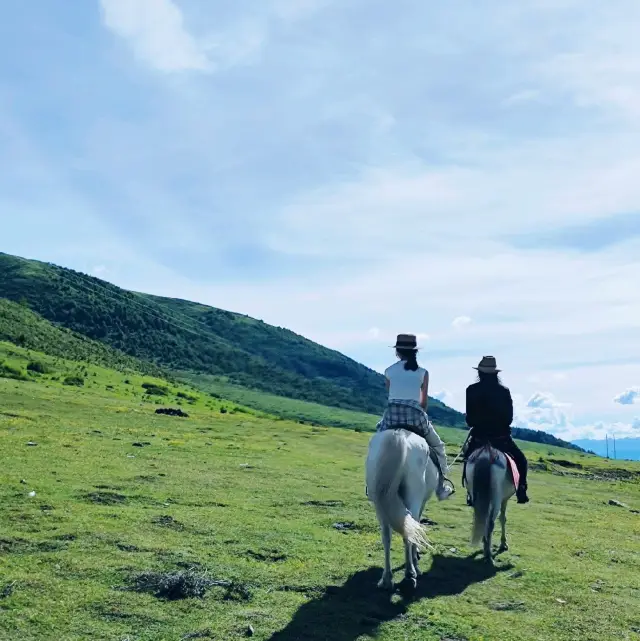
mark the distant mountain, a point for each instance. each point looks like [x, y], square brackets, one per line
[185, 336]
[625, 448]
[536, 436]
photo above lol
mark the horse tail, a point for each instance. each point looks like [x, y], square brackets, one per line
[482, 490]
[388, 474]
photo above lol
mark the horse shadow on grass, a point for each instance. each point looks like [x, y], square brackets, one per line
[358, 607]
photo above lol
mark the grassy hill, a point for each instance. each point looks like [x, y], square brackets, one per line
[21, 326]
[269, 368]
[181, 335]
[264, 523]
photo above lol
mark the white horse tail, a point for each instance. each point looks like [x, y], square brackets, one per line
[482, 491]
[388, 474]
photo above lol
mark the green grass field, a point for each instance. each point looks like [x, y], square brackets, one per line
[247, 506]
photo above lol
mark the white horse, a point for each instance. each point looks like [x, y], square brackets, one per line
[400, 477]
[490, 486]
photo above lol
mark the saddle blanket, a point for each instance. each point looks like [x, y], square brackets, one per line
[515, 474]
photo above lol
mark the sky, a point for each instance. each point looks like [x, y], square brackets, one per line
[351, 170]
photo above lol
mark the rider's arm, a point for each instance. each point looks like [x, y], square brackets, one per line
[509, 408]
[470, 416]
[424, 392]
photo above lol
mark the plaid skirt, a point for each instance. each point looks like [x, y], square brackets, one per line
[400, 413]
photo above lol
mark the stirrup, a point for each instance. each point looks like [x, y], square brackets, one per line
[450, 483]
[448, 489]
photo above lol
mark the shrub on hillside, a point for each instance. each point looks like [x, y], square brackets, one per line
[38, 367]
[153, 389]
[8, 371]
[189, 397]
[74, 380]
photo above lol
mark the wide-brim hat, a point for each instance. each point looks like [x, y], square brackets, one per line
[406, 341]
[488, 365]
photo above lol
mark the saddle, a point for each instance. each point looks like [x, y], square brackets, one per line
[409, 428]
[493, 450]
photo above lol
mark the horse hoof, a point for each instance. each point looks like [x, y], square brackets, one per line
[489, 561]
[503, 548]
[408, 585]
[386, 585]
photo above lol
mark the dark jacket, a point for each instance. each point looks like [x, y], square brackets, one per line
[489, 410]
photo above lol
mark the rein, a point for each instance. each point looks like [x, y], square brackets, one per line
[462, 449]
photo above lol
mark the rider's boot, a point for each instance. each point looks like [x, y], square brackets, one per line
[521, 493]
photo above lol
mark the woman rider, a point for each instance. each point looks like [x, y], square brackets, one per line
[489, 415]
[407, 387]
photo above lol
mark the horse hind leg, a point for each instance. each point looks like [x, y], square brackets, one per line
[416, 505]
[503, 522]
[491, 517]
[386, 582]
[488, 555]
[416, 560]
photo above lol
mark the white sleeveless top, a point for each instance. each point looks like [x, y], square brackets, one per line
[404, 384]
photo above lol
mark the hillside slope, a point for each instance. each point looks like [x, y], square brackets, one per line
[181, 335]
[23, 327]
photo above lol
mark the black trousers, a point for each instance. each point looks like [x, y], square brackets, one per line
[507, 445]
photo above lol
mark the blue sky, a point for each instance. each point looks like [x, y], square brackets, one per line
[351, 170]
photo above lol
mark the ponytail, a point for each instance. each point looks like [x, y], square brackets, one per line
[410, 358]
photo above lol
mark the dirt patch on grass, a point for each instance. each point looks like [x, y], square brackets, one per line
[7, 590]
[115, 613]
[22, 546]
[127, 547]
[201, 634]
[65, 537]
[106, 498]
[147, 478]
[567, 464]
[13, 546]
[301, 589]
[616, 474]
[329, 503]
[507, 606]
[597, 474]
[109, 497]
[350, 526]
[538, 467]
[167, 521]
[267, 556]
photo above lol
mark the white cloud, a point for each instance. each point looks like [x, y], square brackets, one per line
[628, 397]
[445, 396]
[156, 32]
[374, 333]
[522, 97]
[460, 322]
[542, 412]
[544, 400]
